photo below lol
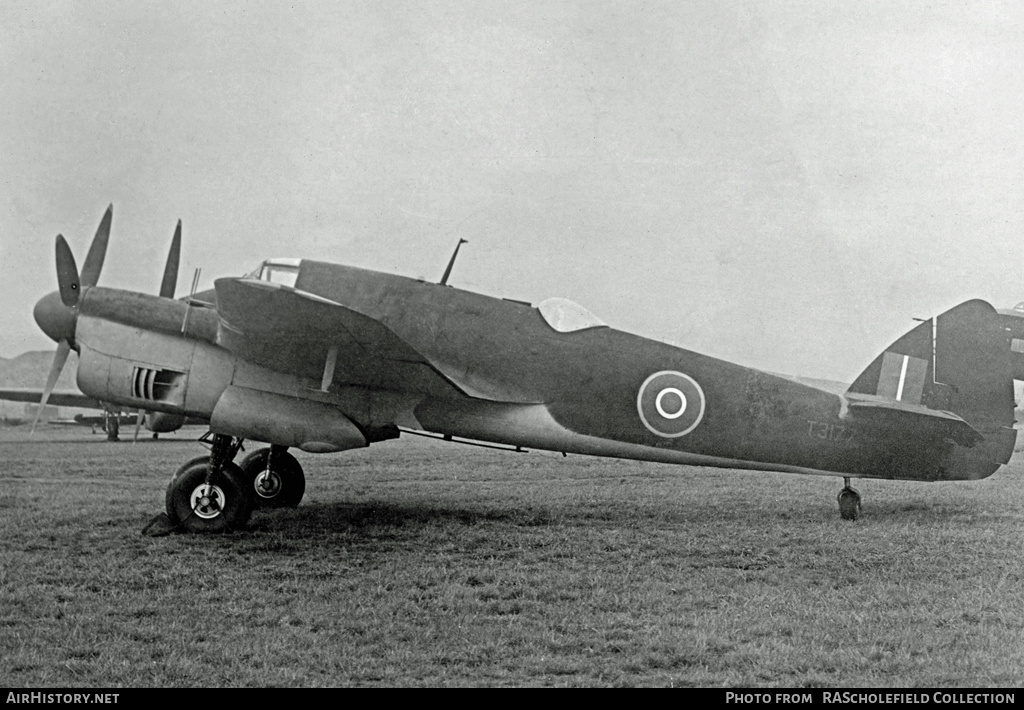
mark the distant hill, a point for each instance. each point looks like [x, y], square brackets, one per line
[30, 370]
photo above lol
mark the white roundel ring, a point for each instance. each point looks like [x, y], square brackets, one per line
[680, 403]
[670, 403]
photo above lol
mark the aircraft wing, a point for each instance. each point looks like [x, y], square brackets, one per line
[60, 398]
[294, 331]
[894, 413]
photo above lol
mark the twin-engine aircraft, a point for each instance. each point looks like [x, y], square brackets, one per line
[322, 357]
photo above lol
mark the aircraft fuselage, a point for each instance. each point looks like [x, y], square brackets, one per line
[498, 372]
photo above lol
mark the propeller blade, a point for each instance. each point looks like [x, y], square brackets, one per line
[63, 350]
[139, 416]
[97, 251]
[67, 274]
[171, 268]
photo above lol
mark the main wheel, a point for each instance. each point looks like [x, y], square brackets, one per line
[222, 505]
[275, 478]
[849, 504]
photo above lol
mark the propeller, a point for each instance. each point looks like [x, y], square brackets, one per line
[140, 414]
[63, 350]
[97, 250]
[170, 279]
[57, 313]
[67, 273]
[57, 319]
[167, 285]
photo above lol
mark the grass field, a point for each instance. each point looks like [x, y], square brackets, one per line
[421, 563]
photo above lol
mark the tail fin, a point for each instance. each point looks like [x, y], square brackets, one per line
[957, 362]
[1013, 322]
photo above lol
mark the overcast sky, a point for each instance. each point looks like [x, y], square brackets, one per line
[782, 184]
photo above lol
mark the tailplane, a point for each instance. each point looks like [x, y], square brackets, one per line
[958, 362]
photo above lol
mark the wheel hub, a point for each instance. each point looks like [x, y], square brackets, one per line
[207, 501]
[267, 484]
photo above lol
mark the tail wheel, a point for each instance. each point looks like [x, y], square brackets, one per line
[221, 505]
[849, 504]
[275, 478]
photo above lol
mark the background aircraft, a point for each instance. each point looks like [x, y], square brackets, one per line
[1013, 321]
[109, 423]
[111, 419]
[325, 358]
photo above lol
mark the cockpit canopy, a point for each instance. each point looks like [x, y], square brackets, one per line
[565, 316]
[279, 271]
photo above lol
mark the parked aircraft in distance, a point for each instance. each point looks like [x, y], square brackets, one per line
[107, 422]
[324, 358]
[155, 422]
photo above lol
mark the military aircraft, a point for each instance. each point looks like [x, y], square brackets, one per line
[61, 398]
[324, 358]
[107, 422]
[111, 418]
[1013, 321]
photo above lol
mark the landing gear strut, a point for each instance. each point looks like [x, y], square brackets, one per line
[275, 477]
[210, 493]
[849, 501]
[112, 425]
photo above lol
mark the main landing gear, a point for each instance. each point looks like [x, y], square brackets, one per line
[112, 425]
[849, 501]
[212, 494]
[275, 477]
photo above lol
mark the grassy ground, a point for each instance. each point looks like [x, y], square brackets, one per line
[422, 563]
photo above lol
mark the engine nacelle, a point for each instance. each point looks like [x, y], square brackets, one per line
[153, 371]
[312, 426]
[162, 422]
[171, 377]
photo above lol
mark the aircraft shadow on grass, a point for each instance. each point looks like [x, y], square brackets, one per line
[323, 357]
[382, 520]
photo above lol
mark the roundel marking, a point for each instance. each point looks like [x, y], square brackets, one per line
[659, 405]
[670, 404]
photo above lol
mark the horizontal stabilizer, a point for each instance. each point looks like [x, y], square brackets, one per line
[891, 413]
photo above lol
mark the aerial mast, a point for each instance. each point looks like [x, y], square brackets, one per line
[451, 262]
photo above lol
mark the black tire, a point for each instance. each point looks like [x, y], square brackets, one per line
[113, 427]
[277, 483]
[849, 504]
[223, 507]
